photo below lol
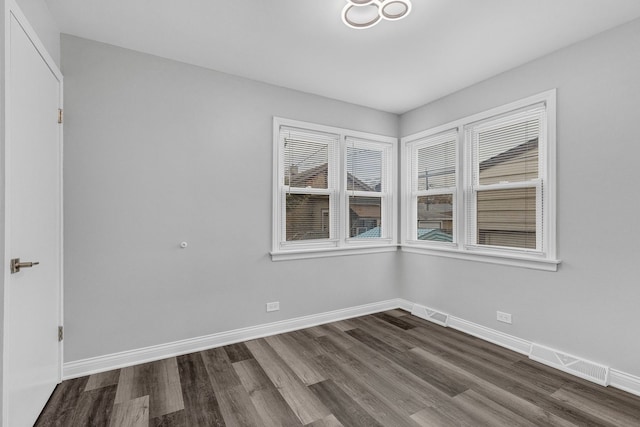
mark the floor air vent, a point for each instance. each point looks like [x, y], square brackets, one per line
[586, 369]
[429, 314]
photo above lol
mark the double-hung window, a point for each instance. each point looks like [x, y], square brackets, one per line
[333, 191]
[483, 187]
[505, 181]
[368, 183]
[309, 182]
[433, 188]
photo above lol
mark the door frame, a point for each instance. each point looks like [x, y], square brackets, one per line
[9, 9]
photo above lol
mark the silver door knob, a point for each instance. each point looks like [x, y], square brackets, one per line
[16, 265]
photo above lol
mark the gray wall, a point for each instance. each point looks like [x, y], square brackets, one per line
[158, 152]
[590, 306]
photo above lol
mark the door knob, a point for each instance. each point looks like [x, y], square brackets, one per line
[16, 265]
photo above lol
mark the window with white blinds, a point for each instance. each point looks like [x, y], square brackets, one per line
[367, 188]
[309, 183]
[334, 188]
[433, 188]
[485, 185]
[504, 206]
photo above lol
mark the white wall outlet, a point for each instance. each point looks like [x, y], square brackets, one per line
[273, 306]
[504, 317]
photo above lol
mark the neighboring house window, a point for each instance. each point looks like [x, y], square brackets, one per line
[333, 191]
[483, 187]
[325, 220]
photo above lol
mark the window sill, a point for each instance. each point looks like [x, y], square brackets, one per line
[329, 252]
[491, 258]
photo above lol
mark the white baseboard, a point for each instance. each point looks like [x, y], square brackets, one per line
[617, 379]
[405, 305]
[80, 368]
[623, 381]
[496, 337]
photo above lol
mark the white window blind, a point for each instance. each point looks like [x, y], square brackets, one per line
[367, 164]
[504, 204]
[309, 183]
[433, 187]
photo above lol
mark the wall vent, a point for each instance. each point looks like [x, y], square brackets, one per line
[577, 366]
[429, 314]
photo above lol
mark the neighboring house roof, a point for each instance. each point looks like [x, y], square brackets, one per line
[372, 233]
[304, 178]
[434, 235]
[509, 154]
[359, 185]
[423, 231]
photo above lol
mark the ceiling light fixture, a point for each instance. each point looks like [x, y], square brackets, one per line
[360, 14]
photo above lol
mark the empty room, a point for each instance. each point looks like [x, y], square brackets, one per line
[320, 213]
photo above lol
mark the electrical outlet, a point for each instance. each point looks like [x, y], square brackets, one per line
[273, 306]
[504, 317]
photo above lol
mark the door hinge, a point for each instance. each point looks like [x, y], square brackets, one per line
[60, 115]
[60, 333]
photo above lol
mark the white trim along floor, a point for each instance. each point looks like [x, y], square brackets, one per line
[612, 377]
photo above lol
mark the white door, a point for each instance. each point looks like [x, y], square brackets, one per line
[33, 162]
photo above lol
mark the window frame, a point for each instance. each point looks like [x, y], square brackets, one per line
[544, 259]
[340, 243]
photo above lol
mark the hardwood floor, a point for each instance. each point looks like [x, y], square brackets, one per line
[387, 369]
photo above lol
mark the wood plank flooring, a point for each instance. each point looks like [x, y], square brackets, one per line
[388, 369]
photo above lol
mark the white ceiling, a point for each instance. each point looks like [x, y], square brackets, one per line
[443, 46]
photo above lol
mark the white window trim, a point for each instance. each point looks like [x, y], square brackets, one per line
[521, 258]
[341, 244]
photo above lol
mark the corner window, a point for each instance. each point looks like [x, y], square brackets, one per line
[483, 187]
[333, 191]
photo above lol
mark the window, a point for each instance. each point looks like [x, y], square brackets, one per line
[504, 205]
[433, 188]
[483, 187]
[367, 188]
[333, 191]
[309, 180]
